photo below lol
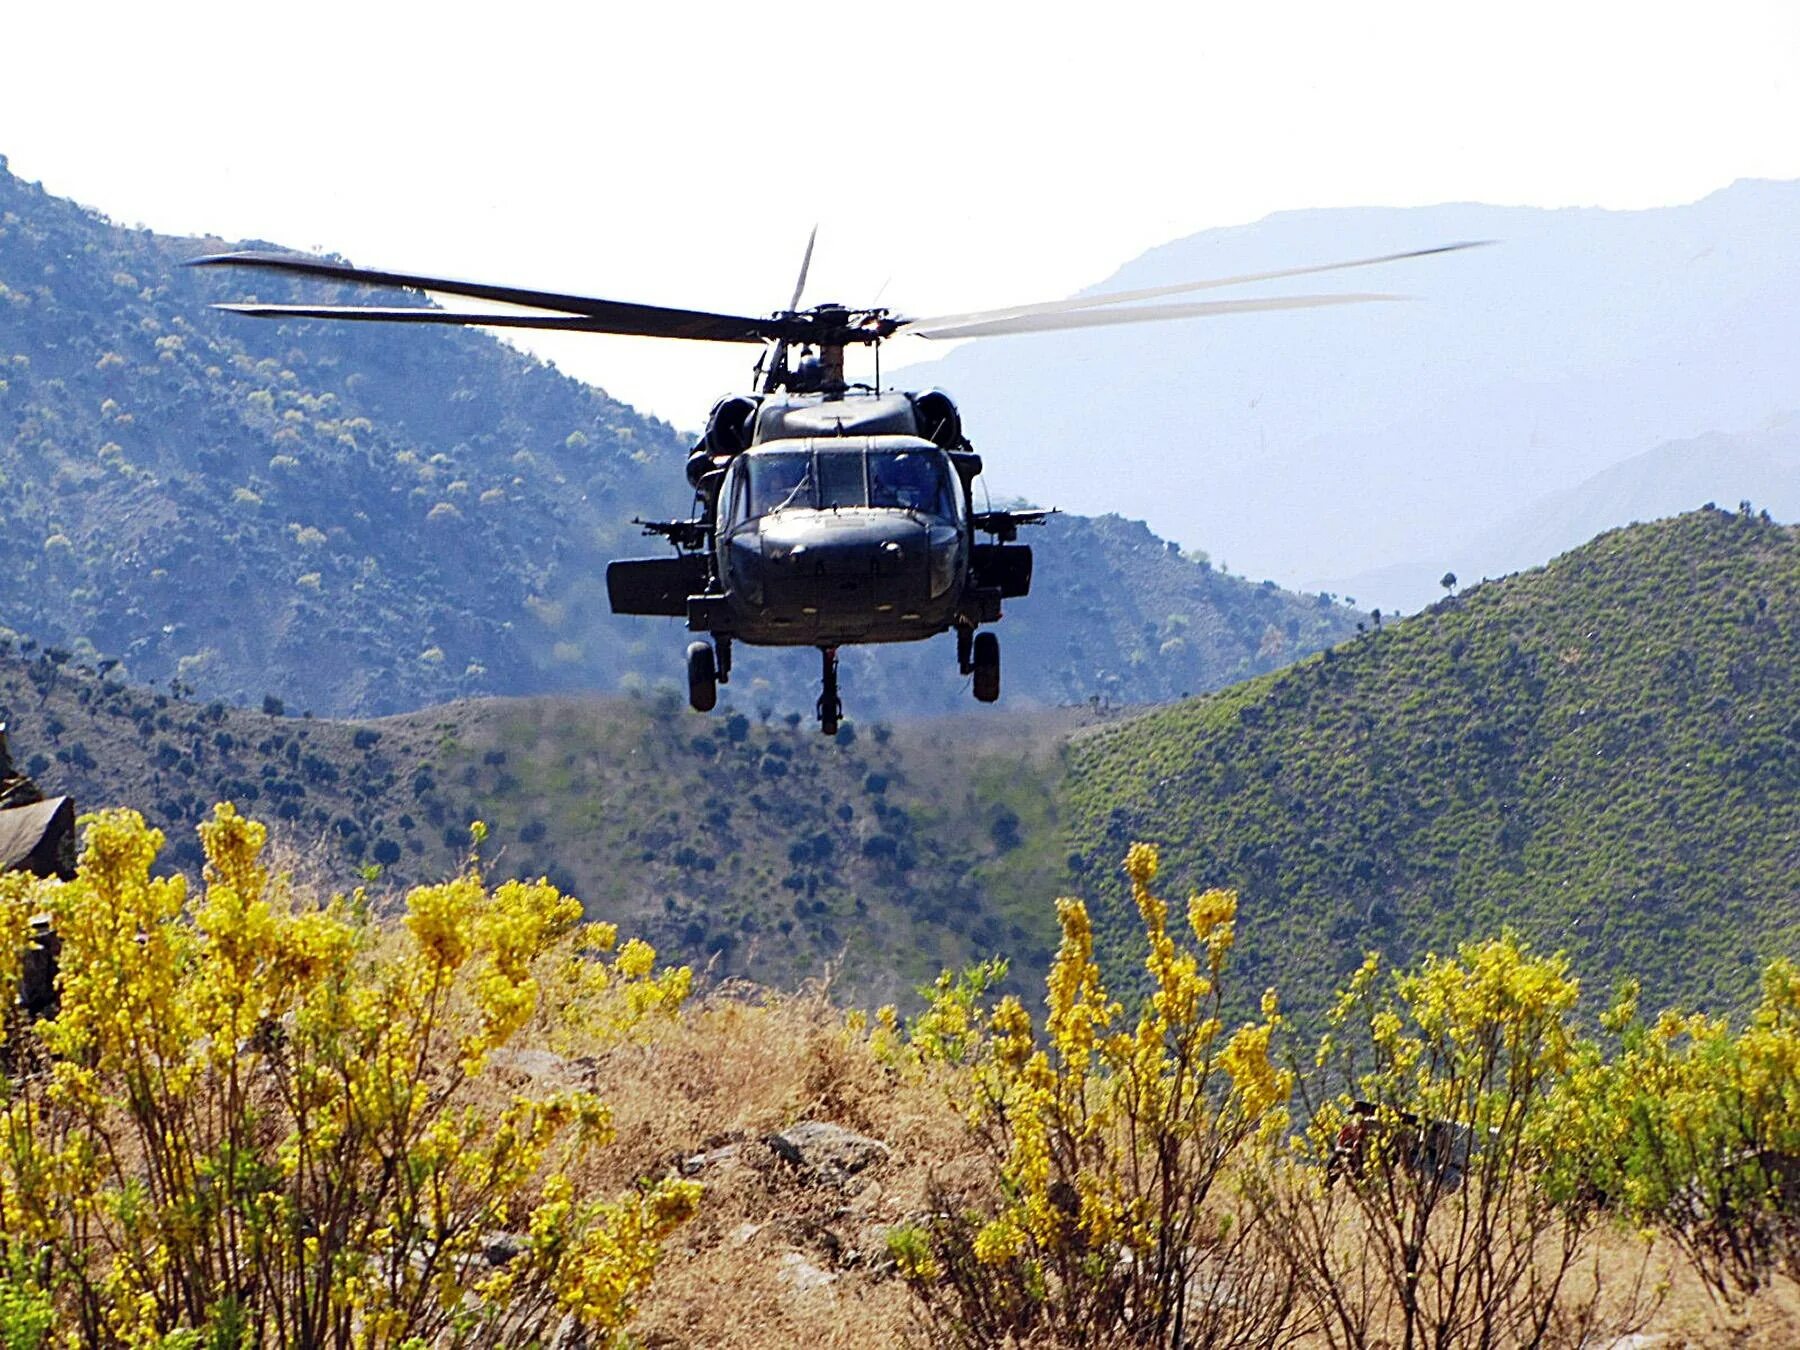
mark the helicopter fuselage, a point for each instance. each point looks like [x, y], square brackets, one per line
[827, 521]
[830, 520]
[829, 542]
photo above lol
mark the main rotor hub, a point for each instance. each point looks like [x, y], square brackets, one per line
[833, 325]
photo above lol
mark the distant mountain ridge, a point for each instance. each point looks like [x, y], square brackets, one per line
[364, 521]
[1330, 444]
[1762, 467]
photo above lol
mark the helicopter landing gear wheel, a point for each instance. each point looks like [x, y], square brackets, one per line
[703, 677]
[965, 638]
[722, 657]
[985, 664]
[831, 708]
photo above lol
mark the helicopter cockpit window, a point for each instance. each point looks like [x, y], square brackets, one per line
[737, 495]
[779, 479]
[912, 479]
[840, 475]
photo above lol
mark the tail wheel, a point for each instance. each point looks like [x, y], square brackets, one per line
[986, 658]
[703, 677]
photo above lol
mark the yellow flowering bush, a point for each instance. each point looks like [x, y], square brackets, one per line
[1694, 1127]
[1427, 1200]
[253, 1115]
[1108, 1142]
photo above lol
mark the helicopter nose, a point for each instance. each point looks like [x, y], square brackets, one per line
[848, 559]
[818, 561]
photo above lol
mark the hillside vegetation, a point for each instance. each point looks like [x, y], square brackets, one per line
[752, 845]
[345, 521]
[1603, 755]
[362, 521]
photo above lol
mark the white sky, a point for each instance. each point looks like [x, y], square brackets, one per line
[955, 155]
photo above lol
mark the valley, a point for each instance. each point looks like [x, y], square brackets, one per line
[1600, 754]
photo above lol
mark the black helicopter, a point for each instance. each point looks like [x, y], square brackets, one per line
[826, 513]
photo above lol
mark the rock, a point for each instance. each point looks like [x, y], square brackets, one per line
[802, 1274]
[569, 1335]
[531, 1063]
[829, 1151]
[39, 838]
[805, 1231]
[37, 834]
[712, 1157]
[542, 1066]
[499, 1248]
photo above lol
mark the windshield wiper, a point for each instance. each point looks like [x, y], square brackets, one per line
[787, 501]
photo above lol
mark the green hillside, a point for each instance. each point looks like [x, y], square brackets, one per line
[344, 520]
[755, 847]
[1603, 754]
[362, 521]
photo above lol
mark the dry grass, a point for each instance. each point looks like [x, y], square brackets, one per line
[1691, 1318]
[777, 1258]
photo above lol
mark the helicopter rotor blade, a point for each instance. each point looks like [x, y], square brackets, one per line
[805, 266]
[1099, 318]
[602, 316]
[571, 323]
[776, 363]
[941, 321]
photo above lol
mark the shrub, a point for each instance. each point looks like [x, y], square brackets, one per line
[1695, 1127]
[1107, 1147]
[1428, 1201]
[1447, 1183]
[262, 1113]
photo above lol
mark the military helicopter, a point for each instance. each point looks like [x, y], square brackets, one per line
[826, 513]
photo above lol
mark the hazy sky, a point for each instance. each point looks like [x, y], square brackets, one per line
[955, 155]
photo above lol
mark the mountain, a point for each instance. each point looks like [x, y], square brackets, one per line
[362, 522]
[348, 522]
[1325, 444]
[1603, 754]
[1762, 467]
